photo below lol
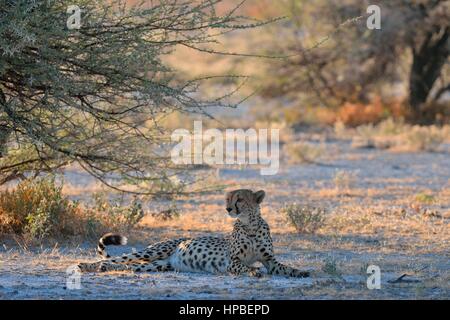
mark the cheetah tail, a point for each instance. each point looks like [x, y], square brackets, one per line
[109, 239]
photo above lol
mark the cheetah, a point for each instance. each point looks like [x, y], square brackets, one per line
[235, 254]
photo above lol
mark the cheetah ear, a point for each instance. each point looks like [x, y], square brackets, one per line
[259, 196]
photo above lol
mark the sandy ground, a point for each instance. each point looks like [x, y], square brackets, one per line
[374, 220]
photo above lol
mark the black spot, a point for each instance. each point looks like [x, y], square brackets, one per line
[146, 256]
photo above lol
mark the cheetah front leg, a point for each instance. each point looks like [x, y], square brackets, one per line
[238, 268]
[275, 267]
[104, 266]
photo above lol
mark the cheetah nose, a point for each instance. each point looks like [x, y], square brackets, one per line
[229, 209]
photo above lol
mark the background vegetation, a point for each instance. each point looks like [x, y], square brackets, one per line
[104, 98]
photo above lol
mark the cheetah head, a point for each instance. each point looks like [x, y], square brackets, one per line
[243, 202]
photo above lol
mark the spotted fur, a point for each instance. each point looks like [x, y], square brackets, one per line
[250, 242]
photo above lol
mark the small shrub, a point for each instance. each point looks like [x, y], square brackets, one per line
[397, 135]
[165, 215]
[38, 208]
[344, 180]
[390, 127]
[311, 115]
[341, 131]
[425, 198]
[355, 114]
[424, 138]
[119, 216]
[305, 218]
[363, 269]
[330, 267]
[303, 152]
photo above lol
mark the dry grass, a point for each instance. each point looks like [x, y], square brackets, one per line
[38, 209]
[380, 230]
[396, 136]
[394, 218]
[302, 152]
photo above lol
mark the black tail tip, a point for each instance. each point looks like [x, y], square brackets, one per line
[113, 239]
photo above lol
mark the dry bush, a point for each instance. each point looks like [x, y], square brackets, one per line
[38, 209]
[316, 115]
[398, 136]
[116, 215]
[303, 152]
[356, 114]
[349, 114]
[425, 198]
[344, 180]
[330, 267]
[305, 218]
[169, 214]
[421, 138]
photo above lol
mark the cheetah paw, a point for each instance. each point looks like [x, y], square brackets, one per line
[255, 273]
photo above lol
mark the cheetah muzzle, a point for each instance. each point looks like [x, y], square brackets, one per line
[250, 242]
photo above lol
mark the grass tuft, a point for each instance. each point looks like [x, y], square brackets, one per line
[305, 218]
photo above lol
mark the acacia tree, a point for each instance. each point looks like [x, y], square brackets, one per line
[354, 62]
[95, 95]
